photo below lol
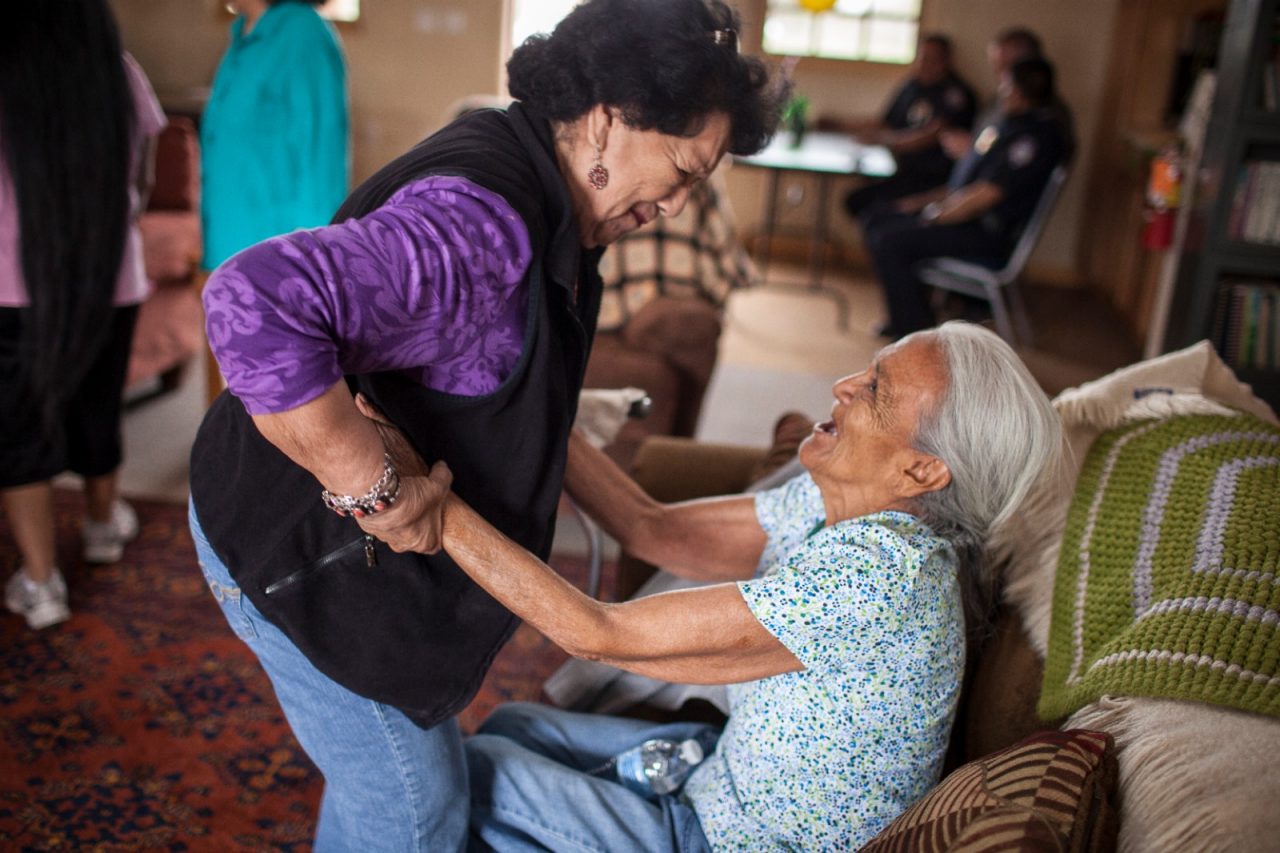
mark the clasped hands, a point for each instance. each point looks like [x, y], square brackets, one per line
[416, 521]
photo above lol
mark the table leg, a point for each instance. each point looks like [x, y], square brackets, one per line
[818, 247]
[770, 220]
[818, 254]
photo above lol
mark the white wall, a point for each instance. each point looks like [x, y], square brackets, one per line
[408, 60]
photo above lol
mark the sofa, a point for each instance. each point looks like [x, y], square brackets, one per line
[170, 322]
[1133, 772]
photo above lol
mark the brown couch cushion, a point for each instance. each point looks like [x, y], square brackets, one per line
[999, 703]
[685, 332]
[668, 350]
[1052, 791]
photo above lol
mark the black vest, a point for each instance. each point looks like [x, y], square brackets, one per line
[414, 631]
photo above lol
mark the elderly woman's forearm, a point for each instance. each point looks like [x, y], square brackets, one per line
[708, 539]
[524, 584]
[706, 636]
[608, 495]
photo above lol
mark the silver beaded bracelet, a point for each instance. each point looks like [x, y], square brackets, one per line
[382, 495]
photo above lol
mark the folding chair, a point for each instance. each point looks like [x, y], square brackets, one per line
[983, 282]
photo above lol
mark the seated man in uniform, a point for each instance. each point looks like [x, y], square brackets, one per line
[933, 100]
[980, 213]
[1008, 47]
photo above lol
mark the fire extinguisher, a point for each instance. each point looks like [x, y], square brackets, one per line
[1164, 193]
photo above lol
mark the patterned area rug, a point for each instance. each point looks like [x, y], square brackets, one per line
[144, 723]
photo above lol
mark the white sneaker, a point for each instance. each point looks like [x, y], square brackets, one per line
[104, 541]
[43, 604]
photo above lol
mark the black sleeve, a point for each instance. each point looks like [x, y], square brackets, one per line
[958, 105]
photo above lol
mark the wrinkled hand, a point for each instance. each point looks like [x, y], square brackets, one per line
[416, 521]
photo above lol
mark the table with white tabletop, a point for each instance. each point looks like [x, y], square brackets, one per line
[826, 156]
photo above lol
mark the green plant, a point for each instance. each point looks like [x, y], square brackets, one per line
[795, 115]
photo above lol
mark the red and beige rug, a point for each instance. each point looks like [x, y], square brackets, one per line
[144, 723]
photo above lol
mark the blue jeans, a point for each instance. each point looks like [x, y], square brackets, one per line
[531, 787]
[389, 784]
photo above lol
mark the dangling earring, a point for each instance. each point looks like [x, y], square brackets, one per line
[598, 175]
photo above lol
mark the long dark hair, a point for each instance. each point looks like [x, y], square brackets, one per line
[66, 125]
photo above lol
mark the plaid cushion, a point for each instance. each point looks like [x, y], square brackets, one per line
[1050, 791]
[693, 255]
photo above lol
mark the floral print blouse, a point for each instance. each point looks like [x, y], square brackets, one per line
[824, 758]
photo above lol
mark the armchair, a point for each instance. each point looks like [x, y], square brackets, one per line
[660, 317]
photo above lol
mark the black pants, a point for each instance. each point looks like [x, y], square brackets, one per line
[897, 242]
[89, 441]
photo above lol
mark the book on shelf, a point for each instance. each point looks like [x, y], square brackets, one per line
[1255, 204]
[1248, 319]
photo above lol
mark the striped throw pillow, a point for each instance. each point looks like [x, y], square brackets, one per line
[1050, 791]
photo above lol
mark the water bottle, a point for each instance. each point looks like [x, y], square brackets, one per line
[657, 766]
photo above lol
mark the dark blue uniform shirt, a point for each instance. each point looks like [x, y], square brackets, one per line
[1017, 155]
[951, 100]
[915, 105]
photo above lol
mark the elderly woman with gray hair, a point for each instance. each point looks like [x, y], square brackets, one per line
[837, 617]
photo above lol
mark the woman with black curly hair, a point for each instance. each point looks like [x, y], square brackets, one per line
[457, 289]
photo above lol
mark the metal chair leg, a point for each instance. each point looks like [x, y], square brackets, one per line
[1003, 327]
[595, 548]
[1026, 336]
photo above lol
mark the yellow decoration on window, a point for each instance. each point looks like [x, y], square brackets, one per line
[817, 5]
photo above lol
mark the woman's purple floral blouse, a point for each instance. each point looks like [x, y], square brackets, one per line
[431, 283]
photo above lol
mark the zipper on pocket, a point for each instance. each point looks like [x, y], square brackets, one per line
[316, 565]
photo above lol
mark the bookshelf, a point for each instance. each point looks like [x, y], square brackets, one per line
[1227, 285]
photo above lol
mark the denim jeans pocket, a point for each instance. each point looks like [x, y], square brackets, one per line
[225, 590]
[232, 602]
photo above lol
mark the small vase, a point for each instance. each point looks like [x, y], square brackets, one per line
[798, 130]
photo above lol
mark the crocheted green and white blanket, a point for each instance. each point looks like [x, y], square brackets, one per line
[1168, 581]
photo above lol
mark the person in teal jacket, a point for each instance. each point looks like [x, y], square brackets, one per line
[274, 134]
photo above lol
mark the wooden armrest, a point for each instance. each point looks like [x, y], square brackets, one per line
[676, 469]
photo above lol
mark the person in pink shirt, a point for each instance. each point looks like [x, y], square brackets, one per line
[77, 122]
